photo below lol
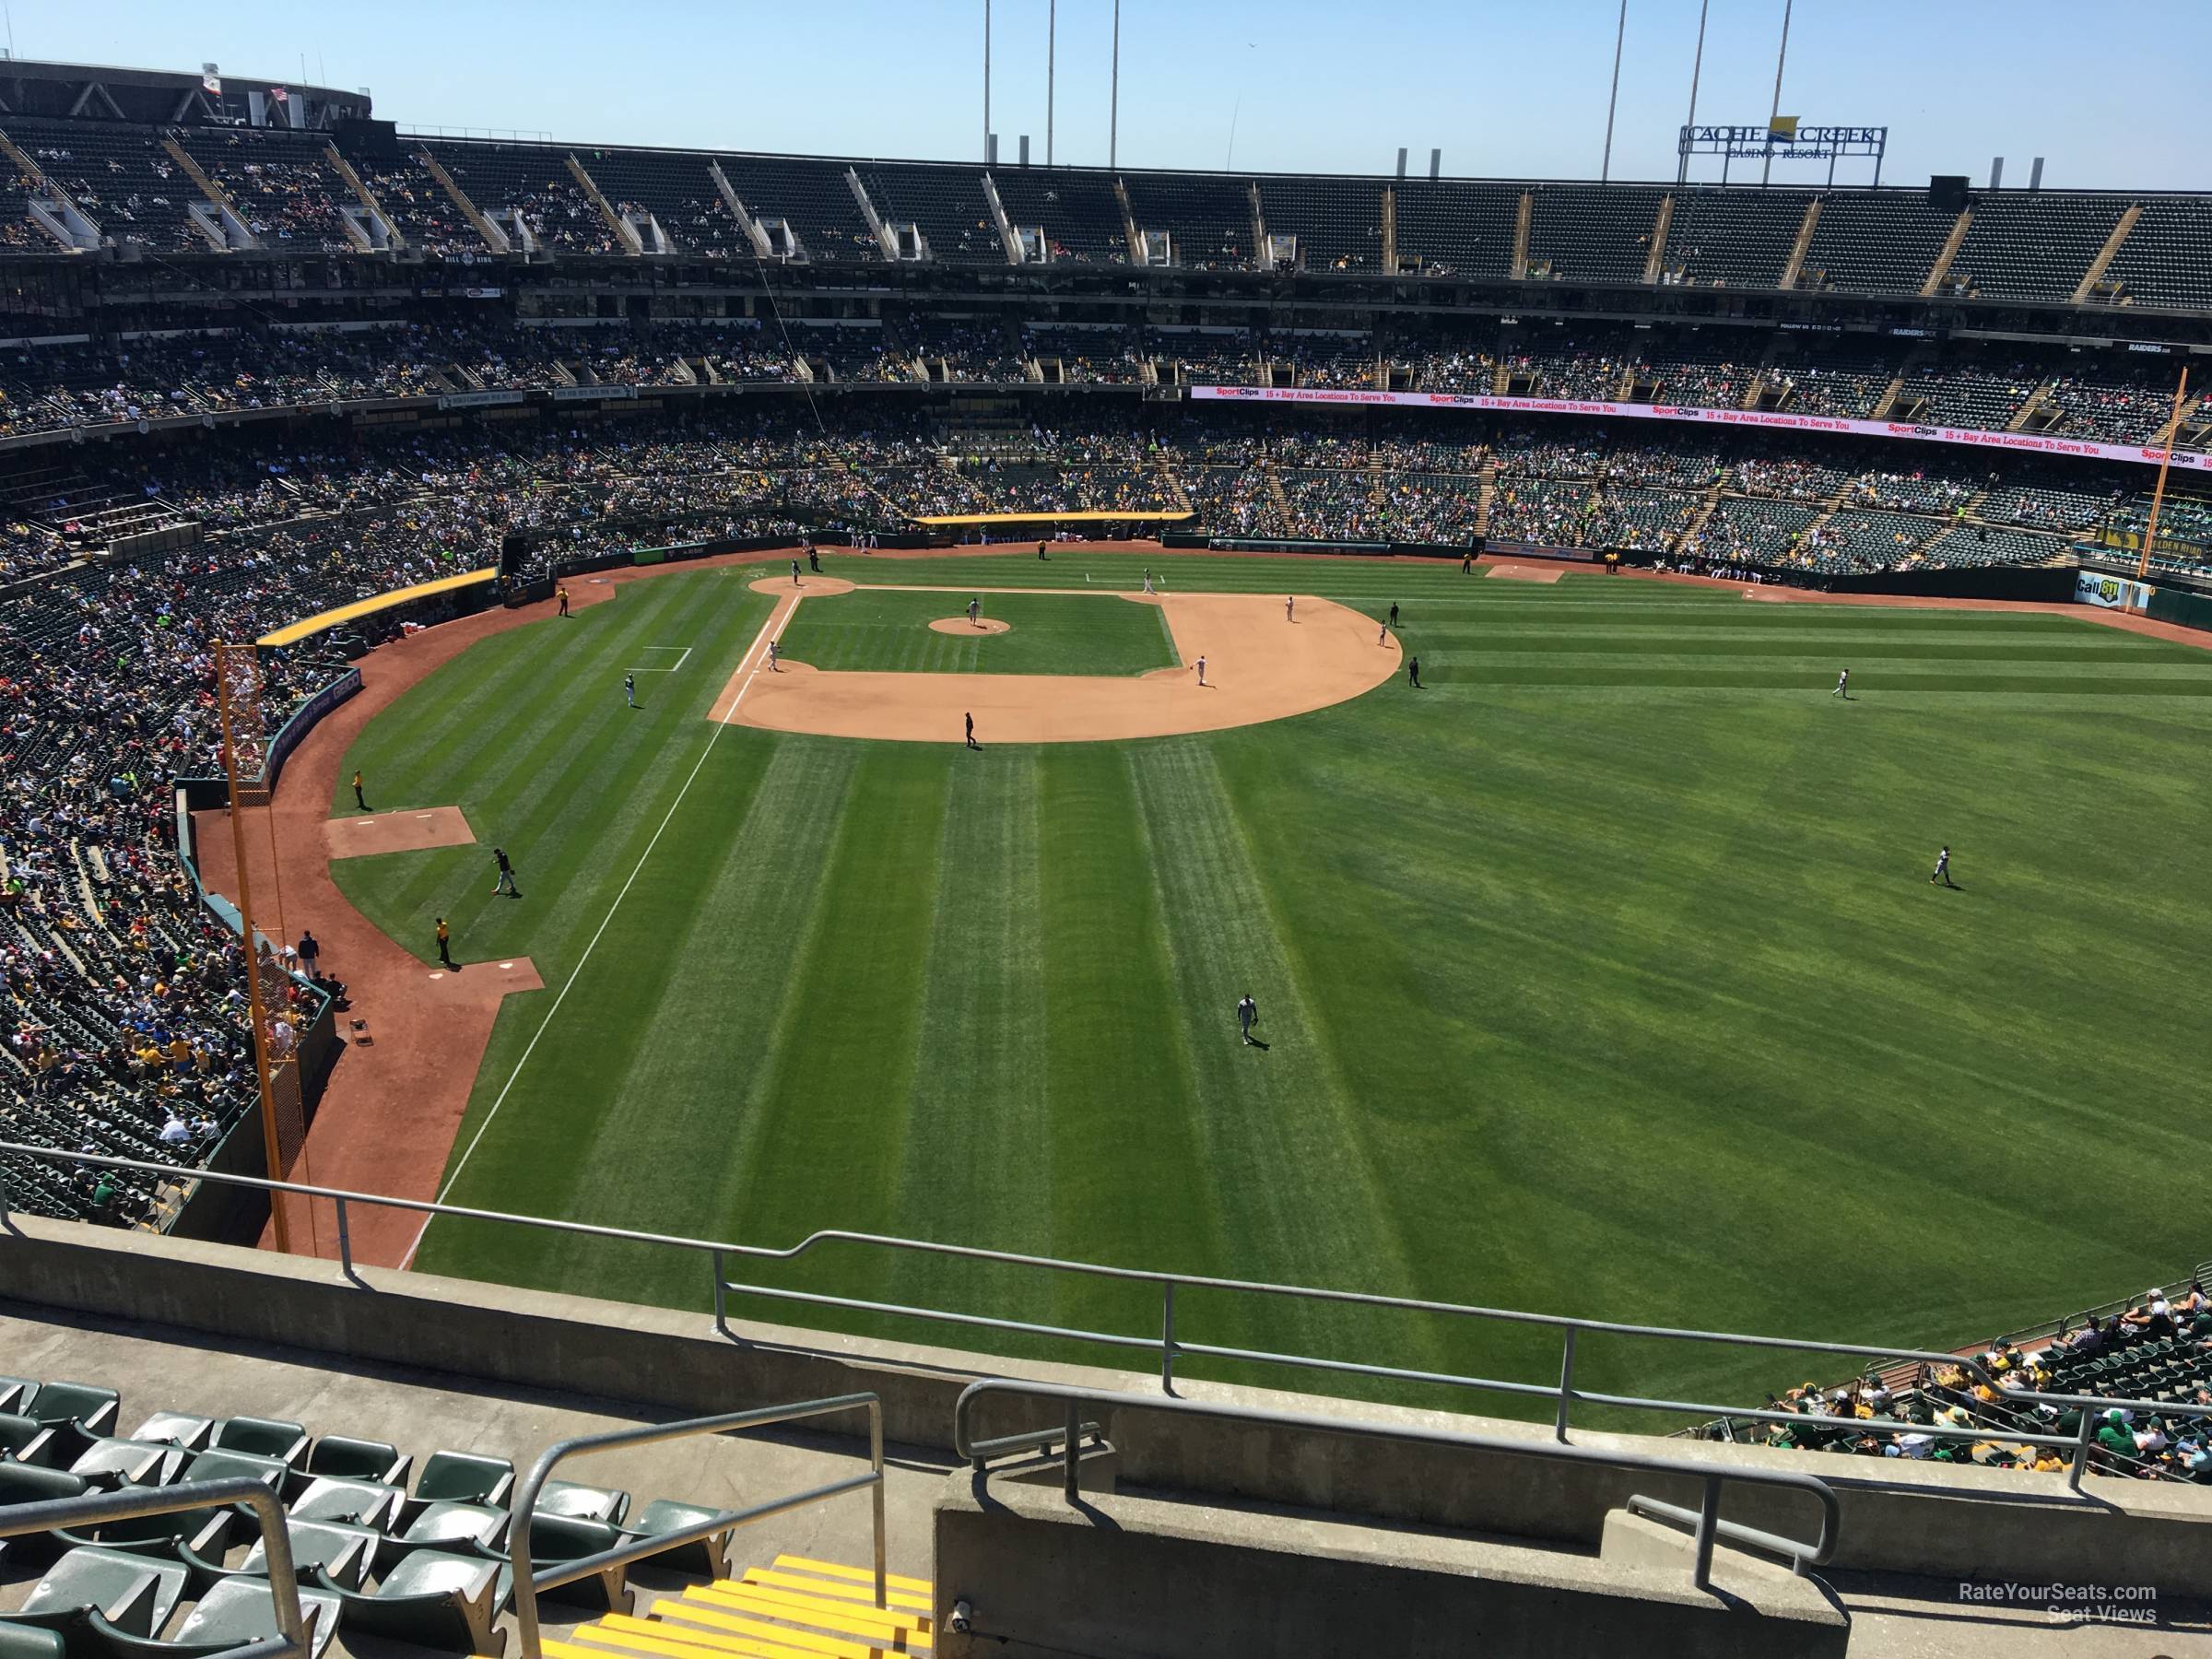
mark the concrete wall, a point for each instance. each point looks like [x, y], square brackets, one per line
[1127, 1574]
[1958, 1522]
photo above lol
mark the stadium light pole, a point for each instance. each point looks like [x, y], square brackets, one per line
[1781, 57]
[1697, 65]
[1604, 167]
[1113, 93]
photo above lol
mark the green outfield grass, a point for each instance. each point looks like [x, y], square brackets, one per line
[1603, 976]
[1048, 633]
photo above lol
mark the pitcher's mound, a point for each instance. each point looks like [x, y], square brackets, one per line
[960, 624]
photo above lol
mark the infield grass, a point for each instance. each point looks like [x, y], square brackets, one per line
[1603, 976]
[888, 631]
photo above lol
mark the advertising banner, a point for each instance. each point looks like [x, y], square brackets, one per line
[2035, 443]
[2111, 592]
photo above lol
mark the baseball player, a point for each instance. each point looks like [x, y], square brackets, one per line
[1842, 684]
[630, 689]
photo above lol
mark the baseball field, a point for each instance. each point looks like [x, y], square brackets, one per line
[1602, 975]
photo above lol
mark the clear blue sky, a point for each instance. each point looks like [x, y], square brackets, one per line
[2111, 96]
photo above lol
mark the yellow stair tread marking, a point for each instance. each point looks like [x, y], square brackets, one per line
[896, 1581]
[682, 1640]
[838, 1647]
[669, 1647]
[901, 1600]
[811, 1603]
[841, 1616]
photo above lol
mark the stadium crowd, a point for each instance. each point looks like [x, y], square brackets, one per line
[2156, 1352]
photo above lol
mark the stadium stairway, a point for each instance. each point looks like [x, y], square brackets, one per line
[793, 1609]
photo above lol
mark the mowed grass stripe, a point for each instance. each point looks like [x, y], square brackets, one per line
[616, 768]
[1278, 1123]
[655, 1019]
[828, 1138]
[1126, 1157]
[970, 1176]
[551, 655]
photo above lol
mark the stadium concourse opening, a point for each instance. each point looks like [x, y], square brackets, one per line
[1244, 658]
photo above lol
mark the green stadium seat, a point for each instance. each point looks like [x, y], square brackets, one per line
[28, 1641]
[358, 1502]
[458, 1528]
[29, 1441]
[344, 1551]
[434, 1600]
[240, 1610]
[134, 1593]
[707, 1558]
[93, 1410]
[464, 1477]
[15, 1393]
[262, 1437]
[554, 1539]
[205, 1531]
[31, 1483]
[128, 1462]
[336, 1455]
[232, 1615]
[583, 1502]
[226, 1466]
[178, 1429]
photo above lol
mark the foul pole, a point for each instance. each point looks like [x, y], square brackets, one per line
[986, 83]
[238, 706]
[2158, 494]
[1052, 31]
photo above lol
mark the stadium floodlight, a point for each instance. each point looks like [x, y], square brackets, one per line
[1775, 115]
[1621, 34]
[1697, 66]
[1113, 93]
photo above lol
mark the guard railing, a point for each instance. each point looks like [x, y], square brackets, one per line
[529, 1581]
[1170, 1344]
[1704, 1522]
[293, 1639]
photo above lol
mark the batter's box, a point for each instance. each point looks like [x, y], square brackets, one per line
[662, 668]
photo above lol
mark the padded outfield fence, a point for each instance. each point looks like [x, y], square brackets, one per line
[1171, 1345]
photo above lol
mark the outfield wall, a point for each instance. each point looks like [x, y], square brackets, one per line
[1899, 1515]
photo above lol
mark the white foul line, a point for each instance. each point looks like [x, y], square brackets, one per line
[771, 628]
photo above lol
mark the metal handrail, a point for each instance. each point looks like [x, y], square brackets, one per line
[293, 1639]
[1705, 1520]
[528, 1583]
[1167, 1345]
